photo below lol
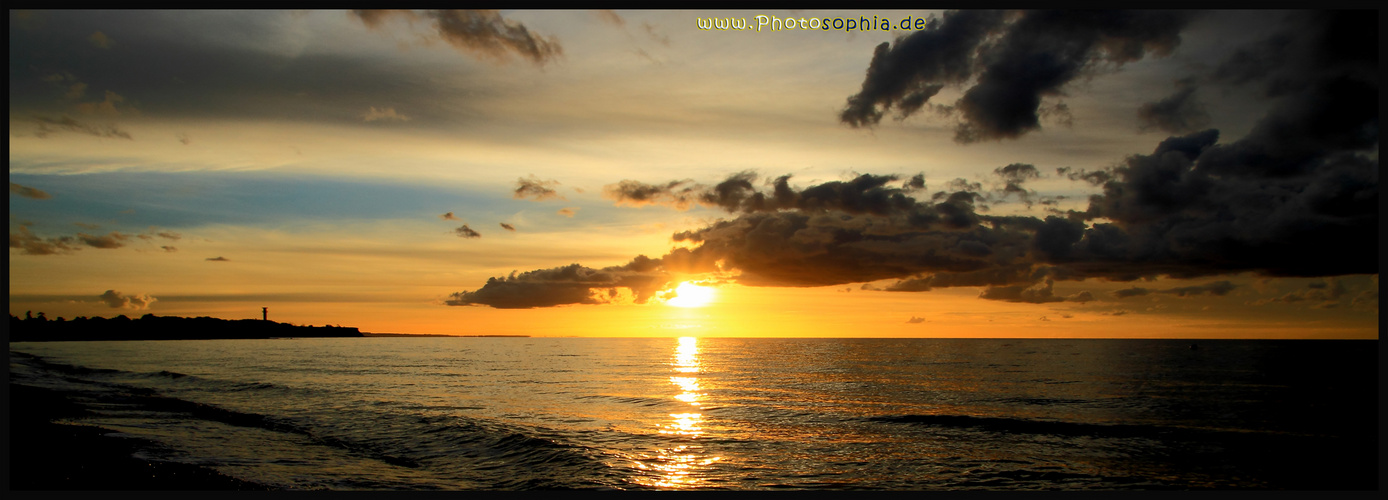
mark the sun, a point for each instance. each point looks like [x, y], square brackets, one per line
[691, 295]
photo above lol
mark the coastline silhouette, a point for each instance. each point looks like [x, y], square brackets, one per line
[151, 327]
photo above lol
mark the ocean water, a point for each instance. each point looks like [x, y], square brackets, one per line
[745, 414]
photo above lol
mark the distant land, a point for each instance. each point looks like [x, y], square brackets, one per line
[151, 327]
[369, 334]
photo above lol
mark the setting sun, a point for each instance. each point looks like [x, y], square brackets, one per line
[691, 295]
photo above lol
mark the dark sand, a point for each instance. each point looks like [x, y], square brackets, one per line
[49, 456]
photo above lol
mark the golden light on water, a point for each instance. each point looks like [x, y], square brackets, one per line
[687, 355]
[678, 466]
[691, 295]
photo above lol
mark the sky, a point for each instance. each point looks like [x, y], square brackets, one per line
[1175, 174]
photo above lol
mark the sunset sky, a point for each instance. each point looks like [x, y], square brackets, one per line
[555, 173]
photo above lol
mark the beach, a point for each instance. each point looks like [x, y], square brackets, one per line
[50, 456]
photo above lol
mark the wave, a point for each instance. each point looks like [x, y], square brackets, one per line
[1006, 425]
[496, 454]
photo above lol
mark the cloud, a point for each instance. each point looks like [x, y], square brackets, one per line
[865, 193]
[388, 114]
[915, 320]
[29, 192]
[1013, 60]
[1034, 294]
[655, 35]
[1295, 197]
[508, 227]
[184, 138]
[466, 232]
[449, 216]
[1367, 300]
[1322, 294]
[47, 126]
[85, 225]
[1219, 288]
[1213, 288]
[568, 211]
[1178, 113]
[76, 91]
[100, 40]
[572, 284]
[118, 300]
[481, 32]
[218, 259]
[111, 240]
[679, 194]
[610, 17]
[538, 190]
[110, 106]
[1130, 292]
[169, 248]
[1013, 177]
[34, 245]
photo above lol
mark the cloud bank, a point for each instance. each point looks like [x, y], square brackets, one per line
[1010, 62]
[1296, 197]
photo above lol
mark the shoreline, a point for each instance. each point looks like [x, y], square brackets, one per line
[48, 456]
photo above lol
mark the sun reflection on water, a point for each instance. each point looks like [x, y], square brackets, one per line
[678, 466]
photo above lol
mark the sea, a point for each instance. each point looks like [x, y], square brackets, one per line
[486, 413]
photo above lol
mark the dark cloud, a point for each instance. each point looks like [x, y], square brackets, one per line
[567, 211]
[1040, 293]
[915, 319]
[1096, 177]
[1212, 288]
[34, 245]
[29, 192]
[1130, 292]
[218, 259]
[1013, 176]
[678, 194]
[1013, 60]
[47, 126]
[1177, 114]
[466, 232]
[111, 240]
[572, 284]
[1296, 196]
[169, 248]
[481, 32]
[508, 227]
[865, 193]
[1215, 288]
[85, 225]
[1319, 293]
[117, 300]
[449, 216]
[917, 66]
[536, 189]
